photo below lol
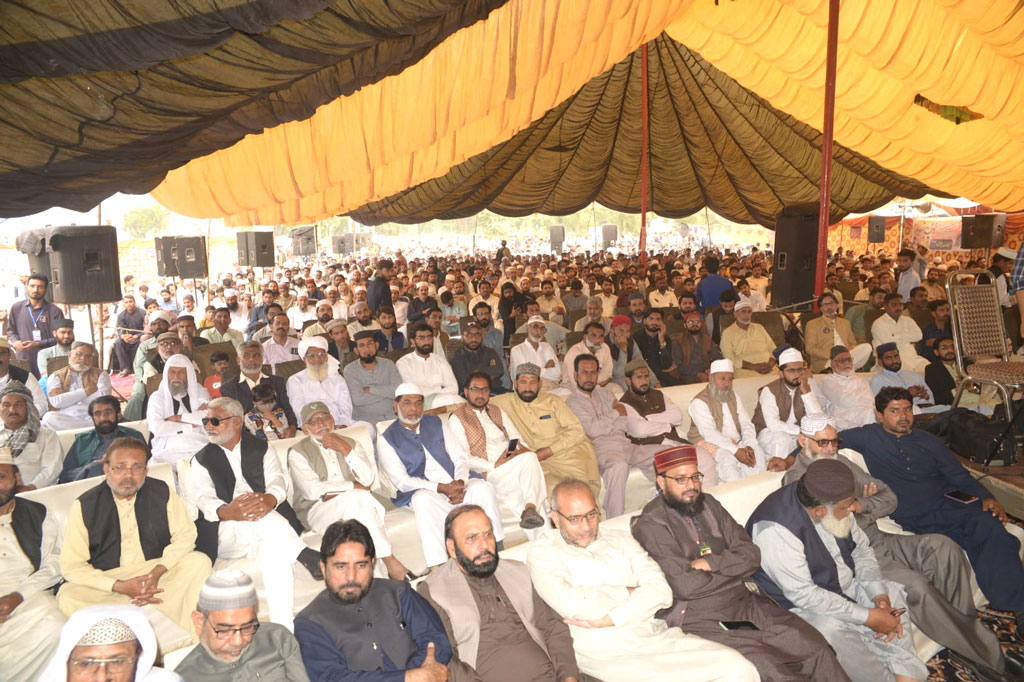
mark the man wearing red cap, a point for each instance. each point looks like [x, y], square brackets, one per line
[709, 560]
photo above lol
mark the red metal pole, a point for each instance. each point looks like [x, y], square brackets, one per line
[826, 146]
[644, 150]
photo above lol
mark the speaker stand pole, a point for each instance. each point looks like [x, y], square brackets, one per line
[825, 201]
[644, 142]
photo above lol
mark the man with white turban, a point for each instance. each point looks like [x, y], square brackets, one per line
[320, 381]
[719, 419]
[844, 395]
[71, 389]
[782, 403]
[29, 566]
[430, 471]
[176, 410]
[115, 639]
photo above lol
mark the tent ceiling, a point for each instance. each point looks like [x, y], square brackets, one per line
[712, 143]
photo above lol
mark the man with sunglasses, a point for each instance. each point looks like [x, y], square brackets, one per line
[608, 590]
[708, 561]
[235, 645]
[130, 540]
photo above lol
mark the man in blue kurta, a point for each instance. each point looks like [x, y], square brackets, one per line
[921, 470]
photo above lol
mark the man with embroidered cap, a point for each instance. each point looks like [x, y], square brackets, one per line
[335, 478]
[36, 449]
[932, 568]
[365, 628]
[234, 645]
[238, 488]
[720, 422]
[780, 406]
[709, 561]
[498, 453]
[320, 381]
[609, 591]
[30, 621]
[552, 430]
[117, 640]
[176, 410]
[500, 628]
[819, 564]
[71, 389]
[129, 539]
[844, 395]
[430, 471]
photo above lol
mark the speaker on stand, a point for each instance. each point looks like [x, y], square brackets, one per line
[876, 229]
[304, 240]
[983, 231]
[33, 244]
[796, 251]
[165, 256]
[557, 238]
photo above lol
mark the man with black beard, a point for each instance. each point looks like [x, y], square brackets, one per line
[376, 630]
[85, 456]
[708, 560]
[652, 340]
[485, 599]
[371, 381]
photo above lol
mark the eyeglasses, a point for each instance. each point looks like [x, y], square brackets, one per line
[247, 630]
[92, 665]
[825, 442]
[577, 519]
[216, 421]
[682, 480]
[134, 468]
[315, 355]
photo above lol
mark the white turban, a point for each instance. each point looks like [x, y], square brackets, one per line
[311, 342]
[790, 355]
[815, 422]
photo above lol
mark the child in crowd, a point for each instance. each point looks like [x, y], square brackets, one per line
[265, 420]
[219, 361]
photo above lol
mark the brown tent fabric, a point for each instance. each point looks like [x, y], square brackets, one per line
[712, 143]
[104, 96]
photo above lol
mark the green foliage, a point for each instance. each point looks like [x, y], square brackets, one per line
[147, 221]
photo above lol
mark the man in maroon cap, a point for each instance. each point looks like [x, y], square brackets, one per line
[709, 560]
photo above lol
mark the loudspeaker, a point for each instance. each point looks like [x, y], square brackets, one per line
[33, 243]
[557, 238]
[304, 240]
[350, 242]
[609, 233]
[190, 257]
[876, 229]
[84, 264]
[261, 249]
[983, 231]
[242, 240]
[165, 256]
[796, 250]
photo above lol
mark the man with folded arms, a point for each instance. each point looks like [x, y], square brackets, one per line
[709, 560]
[372, 381]
[129, 540]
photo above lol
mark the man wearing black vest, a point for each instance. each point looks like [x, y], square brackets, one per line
[129, 540]
[30, 621]
[818, 563]
[239, 488]
[366, 628]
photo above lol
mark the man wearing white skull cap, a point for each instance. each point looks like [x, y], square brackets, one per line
[780, 406]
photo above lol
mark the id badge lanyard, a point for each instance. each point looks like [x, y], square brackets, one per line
[37, 335]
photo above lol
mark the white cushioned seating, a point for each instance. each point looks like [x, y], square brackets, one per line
[66, 438]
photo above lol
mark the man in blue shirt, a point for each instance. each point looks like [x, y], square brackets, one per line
[711, 287]
[921, 470]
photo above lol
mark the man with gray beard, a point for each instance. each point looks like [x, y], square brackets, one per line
[846, 396]
[817, 563]
[943, 609]
[321, 381]
[175, 412]
[72, 388]
[250, 373]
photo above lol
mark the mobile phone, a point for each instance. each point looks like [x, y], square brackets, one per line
[512, 445]
[961, 496]
[737, 625]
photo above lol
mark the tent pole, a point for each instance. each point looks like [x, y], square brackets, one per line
[826, 146]
[644, 143]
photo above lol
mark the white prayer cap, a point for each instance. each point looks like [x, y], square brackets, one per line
[719, 366]
[814, 422]
[324, 303]
[227, 590]
[106, 632]
[311, 342]
[407, 389]
[742, 304]
[420, 285]
[360, 288]
[790, 355]
[536, 318]
[228, 293]
[1006, 252]
[6, 457]
[160, 315]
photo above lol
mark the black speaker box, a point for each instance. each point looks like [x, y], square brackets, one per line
[609, 233]
[796, 251]
[350, 242]
[261, 249]
[242, 240]
[33, 244]
[876, 229]
[84, 264]
[190, 257]
[304, 240]
[983, 231]
[165, 256]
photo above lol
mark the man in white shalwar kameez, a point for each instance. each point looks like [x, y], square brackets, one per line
[608, 590]
[425, 368]
[335, 479]
[782, 403]
[30, 621]
[893, 326]
[72, 388]
[176, 410]
[320, 382]
[844, 395]
[498, 452]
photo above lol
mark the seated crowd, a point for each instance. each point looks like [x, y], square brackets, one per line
[538, 399]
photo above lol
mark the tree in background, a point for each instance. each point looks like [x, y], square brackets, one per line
[147, 221]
